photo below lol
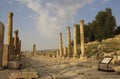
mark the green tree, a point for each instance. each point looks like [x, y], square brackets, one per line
[117, 31]
[78, 34]
[99, 25]
[110, 24]
[103, 26]
[89, 34]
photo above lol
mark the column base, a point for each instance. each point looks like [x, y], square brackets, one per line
[76, 57]
[83, 59]
[61, 57]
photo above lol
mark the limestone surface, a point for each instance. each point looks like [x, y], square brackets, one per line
[1, 41]
[54, 68]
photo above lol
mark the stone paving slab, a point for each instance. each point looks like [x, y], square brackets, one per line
[15, 74]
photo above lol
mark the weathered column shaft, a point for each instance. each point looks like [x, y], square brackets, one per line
[69, 54]
[82, 38]
[1, 42]
[16, 42]
[19, 49]
[12, 44]
[57, 53]
[15, 39]
[60, 45]
[5, 55]
[65, 51]
[75, 41]
[10, 24]
[9, 35]
[20, 46]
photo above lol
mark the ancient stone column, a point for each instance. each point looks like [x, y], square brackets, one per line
[9, 35]
[69, 53]
[60, 45]
[34, 50]
[65, 52]
[16, 42]
[5, 55]
[75, 41]
[1, 42]
[82, 56]
[19, 46]
[12, 45]
[57, 53]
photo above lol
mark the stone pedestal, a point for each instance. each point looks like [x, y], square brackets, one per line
[84, 59]
[1, 42]
[82, 56]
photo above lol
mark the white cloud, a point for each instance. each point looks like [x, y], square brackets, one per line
[54, 14]
[105, 0]
[10, 1]
[92, 9]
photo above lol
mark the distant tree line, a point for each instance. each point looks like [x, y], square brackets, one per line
[103, 27]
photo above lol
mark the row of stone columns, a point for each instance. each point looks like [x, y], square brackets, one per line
[67, 50]
[13, 42]
[12, 49]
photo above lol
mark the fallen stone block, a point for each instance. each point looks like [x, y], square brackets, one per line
[23, 74]
[14, 64]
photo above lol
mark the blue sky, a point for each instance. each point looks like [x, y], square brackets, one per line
[40, 21]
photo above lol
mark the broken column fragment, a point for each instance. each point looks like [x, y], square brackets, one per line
[34, 50]
[16, 43]
[19, 48]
